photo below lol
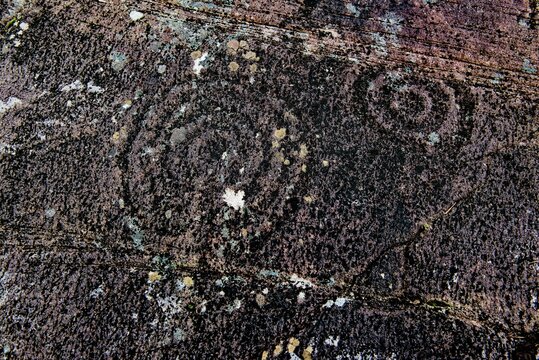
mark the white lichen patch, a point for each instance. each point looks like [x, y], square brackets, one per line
[76, 85]
[94, 89]
[8, 149]
[50, 213]
[170, 305]
[300, 282]
[178, 335]
[136, 15]
[332, 341]
[161, 69]
[98, 292]
[24, 26]
[234, 199]
[11, 103]
[352, 9]
[197, 66]
[234, 306]
[339, 302]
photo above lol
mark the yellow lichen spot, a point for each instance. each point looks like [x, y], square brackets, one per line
[308, 199]
[244, 44]
[249, 55]
[307, 353]
[278, 350]
[196, 54]
[233, 66]
[325, 163]
[293, 343]
[279, 156]
[253, 68]
[127, 104]
[275, 144]
[116, 136]
[265, 355]
[188, 281]
[304, 168]
[279, 134]
[303, 152]
[286, 162]
[244, 232]
[233, 45]
[153, 276]
[260, 300]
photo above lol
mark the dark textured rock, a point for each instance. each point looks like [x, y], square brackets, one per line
[221, 179]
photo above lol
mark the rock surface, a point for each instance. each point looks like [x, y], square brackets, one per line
[251, 179]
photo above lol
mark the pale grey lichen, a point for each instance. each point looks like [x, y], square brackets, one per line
[137, 234]
[11, 103]
[434, 138]
[118, 60]
[50, 212]
[528, 67]
[178, 135]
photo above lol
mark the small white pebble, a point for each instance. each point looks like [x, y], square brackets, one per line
[24, 26]
[50, 213]
[136, 15]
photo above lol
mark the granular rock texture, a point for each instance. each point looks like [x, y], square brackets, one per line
[243, 179]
